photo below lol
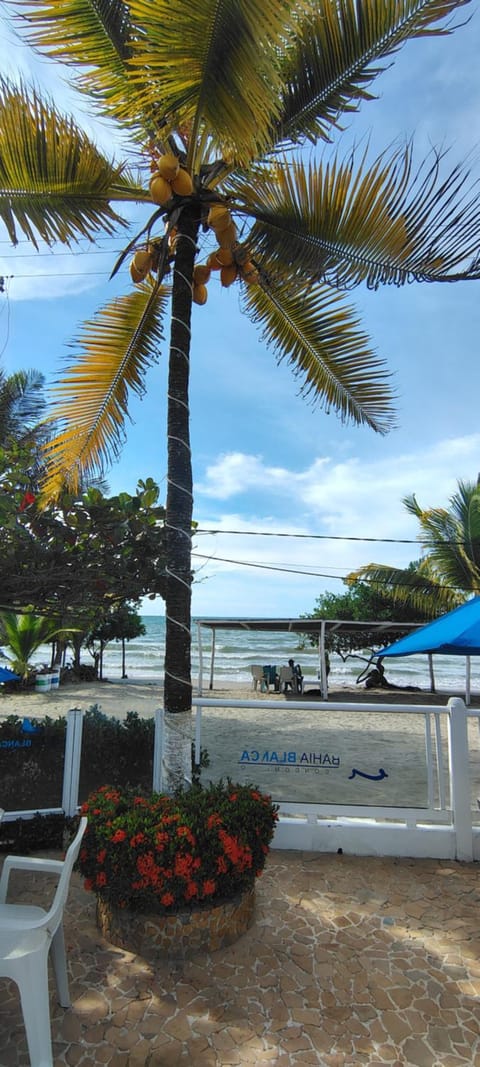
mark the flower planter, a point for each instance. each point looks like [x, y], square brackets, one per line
[180, 934]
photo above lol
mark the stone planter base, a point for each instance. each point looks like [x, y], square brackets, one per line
[178, 935]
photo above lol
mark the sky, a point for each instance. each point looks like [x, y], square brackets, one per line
[329, 496]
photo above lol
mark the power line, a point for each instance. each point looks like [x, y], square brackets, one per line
[333, 537]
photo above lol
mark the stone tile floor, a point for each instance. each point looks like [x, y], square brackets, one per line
[350, 961]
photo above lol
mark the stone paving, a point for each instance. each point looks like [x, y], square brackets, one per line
[350, 961]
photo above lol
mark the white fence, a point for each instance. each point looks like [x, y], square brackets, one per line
[421, 801]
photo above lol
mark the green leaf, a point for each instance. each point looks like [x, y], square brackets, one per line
[319, 335]
[379, 223]
[335, 57]
[54, 182]
[117, 347]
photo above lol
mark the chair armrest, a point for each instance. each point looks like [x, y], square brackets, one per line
[26, 863]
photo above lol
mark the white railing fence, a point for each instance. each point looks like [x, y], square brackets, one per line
[313, 789]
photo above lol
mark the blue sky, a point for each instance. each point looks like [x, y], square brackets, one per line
[264, 459]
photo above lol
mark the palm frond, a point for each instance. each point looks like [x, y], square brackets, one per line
[336, 57]
[422, 589]
[383, 223]
[94, 39]
[452, 536]
[215, 64]
[319, 335]
[54, 183]
[91, 399]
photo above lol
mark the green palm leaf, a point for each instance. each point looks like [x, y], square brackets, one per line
[336, 55]
[214, 66]
[421, 589]
[375, 224]
[54, 183]
[92, 34]
[452, 536]
[319, 335]
[118, 346]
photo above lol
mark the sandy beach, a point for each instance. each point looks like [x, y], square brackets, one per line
[306, 754]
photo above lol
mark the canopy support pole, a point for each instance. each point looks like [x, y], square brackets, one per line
[212, 660]
[323, 665]
[430, 671]
[468, 667]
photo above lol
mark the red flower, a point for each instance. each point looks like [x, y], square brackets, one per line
[222, 866]
[183, 865]
[88, 884]
[101, 879]
[209, 887]
[191, 890]
[161, 839]
[28, 498]
[101, 856]
[137, 839]
[183, 831]
[118, 836]
[167, 900]
[213, 820]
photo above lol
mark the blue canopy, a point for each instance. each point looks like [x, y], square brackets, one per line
[454, 634]
[8, 676]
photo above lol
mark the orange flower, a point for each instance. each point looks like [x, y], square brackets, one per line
[118, 836]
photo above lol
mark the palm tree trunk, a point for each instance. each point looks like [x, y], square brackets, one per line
[178, 519]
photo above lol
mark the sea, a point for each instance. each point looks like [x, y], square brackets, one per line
[236, 650]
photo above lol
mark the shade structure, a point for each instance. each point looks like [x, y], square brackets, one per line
[7, 675]
[454, 634]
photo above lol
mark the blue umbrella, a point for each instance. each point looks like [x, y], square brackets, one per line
[455, 634]
[8, 676]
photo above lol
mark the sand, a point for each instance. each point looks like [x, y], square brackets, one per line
[304, 754]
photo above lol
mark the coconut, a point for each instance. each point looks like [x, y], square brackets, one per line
[141, 264]
[224, 257]
[250, 273]
[160, 189]
[213, 261]
[168, 166]
[228, 275]
[227, 237]
[219, 217]
[200, 294]
[182, 185]
[201, 273]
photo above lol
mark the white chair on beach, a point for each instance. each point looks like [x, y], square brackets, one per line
[27, 933]
[258, 675]
[287, 678]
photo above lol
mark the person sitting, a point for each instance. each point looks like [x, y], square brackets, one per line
[297, 676]
[376, 678]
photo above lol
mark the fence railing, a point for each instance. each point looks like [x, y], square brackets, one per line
[370, 779]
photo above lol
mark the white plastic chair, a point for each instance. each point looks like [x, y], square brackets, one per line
[27, 932]
[258, 675]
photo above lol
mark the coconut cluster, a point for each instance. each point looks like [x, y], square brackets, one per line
[229, 258]
[169, 178]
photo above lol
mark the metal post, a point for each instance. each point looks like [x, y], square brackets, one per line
[200, 658]
[212, 661]
[460, 778]
[71, 766]
[157, 778]
[323, 665]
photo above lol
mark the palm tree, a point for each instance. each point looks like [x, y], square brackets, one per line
[23, 635]
[22, 406]
[234, 91]
[449, 570]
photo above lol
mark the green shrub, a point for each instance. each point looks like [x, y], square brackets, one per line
[154, 852]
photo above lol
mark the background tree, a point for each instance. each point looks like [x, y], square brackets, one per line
[363, 602]
[22, 635]
[220, 99]
[449, 570]
[22, 407]
[122, 624]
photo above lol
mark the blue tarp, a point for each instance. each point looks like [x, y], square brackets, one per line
[454, 634]
[8, 676]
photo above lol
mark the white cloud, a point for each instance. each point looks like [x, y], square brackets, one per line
[346, 503]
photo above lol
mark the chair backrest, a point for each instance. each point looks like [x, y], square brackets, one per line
[257, 672]
[286, 674]
[53, 917]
